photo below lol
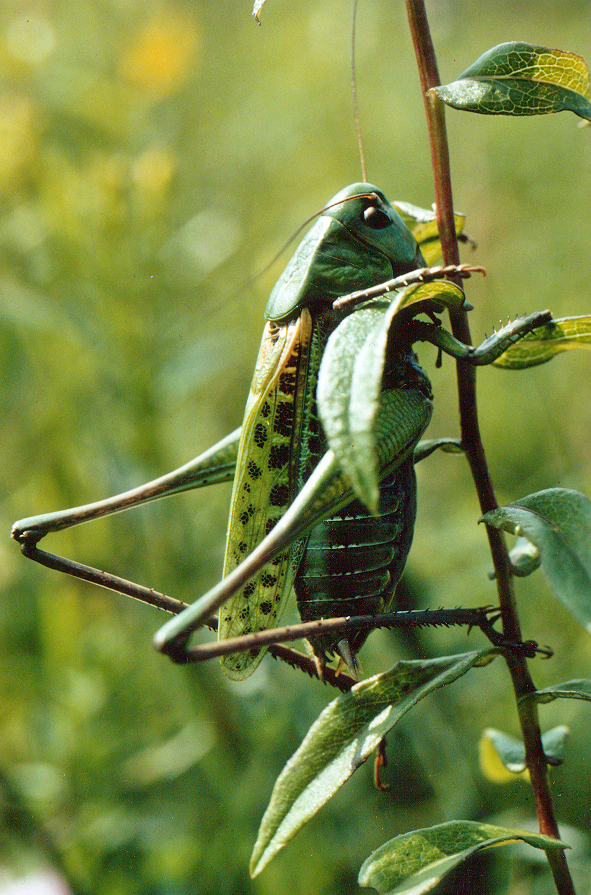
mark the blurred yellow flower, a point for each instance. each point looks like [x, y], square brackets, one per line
[159, 59]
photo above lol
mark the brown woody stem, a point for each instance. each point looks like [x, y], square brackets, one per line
[472, 444]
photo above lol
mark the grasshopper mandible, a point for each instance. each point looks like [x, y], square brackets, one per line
[297, 520]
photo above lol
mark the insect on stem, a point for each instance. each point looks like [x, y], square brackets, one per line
[298, 521]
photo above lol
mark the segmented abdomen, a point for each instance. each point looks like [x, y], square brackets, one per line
[354, 560]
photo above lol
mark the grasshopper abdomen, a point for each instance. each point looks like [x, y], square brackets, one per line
[354, 560]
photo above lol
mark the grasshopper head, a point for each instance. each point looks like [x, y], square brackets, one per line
[358, 241]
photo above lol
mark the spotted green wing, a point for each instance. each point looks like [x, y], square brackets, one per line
[263, 486]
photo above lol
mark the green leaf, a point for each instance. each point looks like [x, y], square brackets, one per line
[554, 744]
[416, 862]
[501, 757]
[342, 738]
[511, 752]
[427, 447]
[355, 416]
[521, 79]
[414, 215]
[422, 224]
[577, 689]
[439, 295]
[335, 381]
[558, 523]
[544, 342]
[524, 557]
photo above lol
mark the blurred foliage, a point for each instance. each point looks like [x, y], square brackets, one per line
[154, 156]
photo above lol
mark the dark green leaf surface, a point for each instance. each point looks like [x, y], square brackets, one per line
[544, 342]
[342, 738]
[558, 523]
[521, 79]
[416, 862]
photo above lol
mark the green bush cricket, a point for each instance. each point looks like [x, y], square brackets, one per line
[299, 518]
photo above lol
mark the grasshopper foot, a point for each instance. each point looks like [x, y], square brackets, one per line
[526, 648]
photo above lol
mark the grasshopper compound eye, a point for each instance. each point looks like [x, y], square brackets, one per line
[375, 218]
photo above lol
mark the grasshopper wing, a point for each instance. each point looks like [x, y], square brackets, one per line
[263, 486]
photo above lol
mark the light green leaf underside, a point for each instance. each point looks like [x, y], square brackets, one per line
[522, 79]
[558, 523]
[511, 751]
[352, 410]
[416, 862]
[545, 342]
[525, 558]
[342, 738]
[577, 689]
[439, 295]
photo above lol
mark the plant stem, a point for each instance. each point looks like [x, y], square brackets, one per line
[472, 443]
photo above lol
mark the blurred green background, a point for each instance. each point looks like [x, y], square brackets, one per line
[154, 156]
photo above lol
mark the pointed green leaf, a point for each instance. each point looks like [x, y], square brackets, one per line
[578, 689]
[427, 447]
[544, 342]
[342, 738]
[364, 405]
[416, 862]
[335, 382]
[558, 523]
[522, 79]
[354, 416]
[511, 752]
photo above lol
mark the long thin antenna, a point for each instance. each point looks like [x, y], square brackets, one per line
[354, 90]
